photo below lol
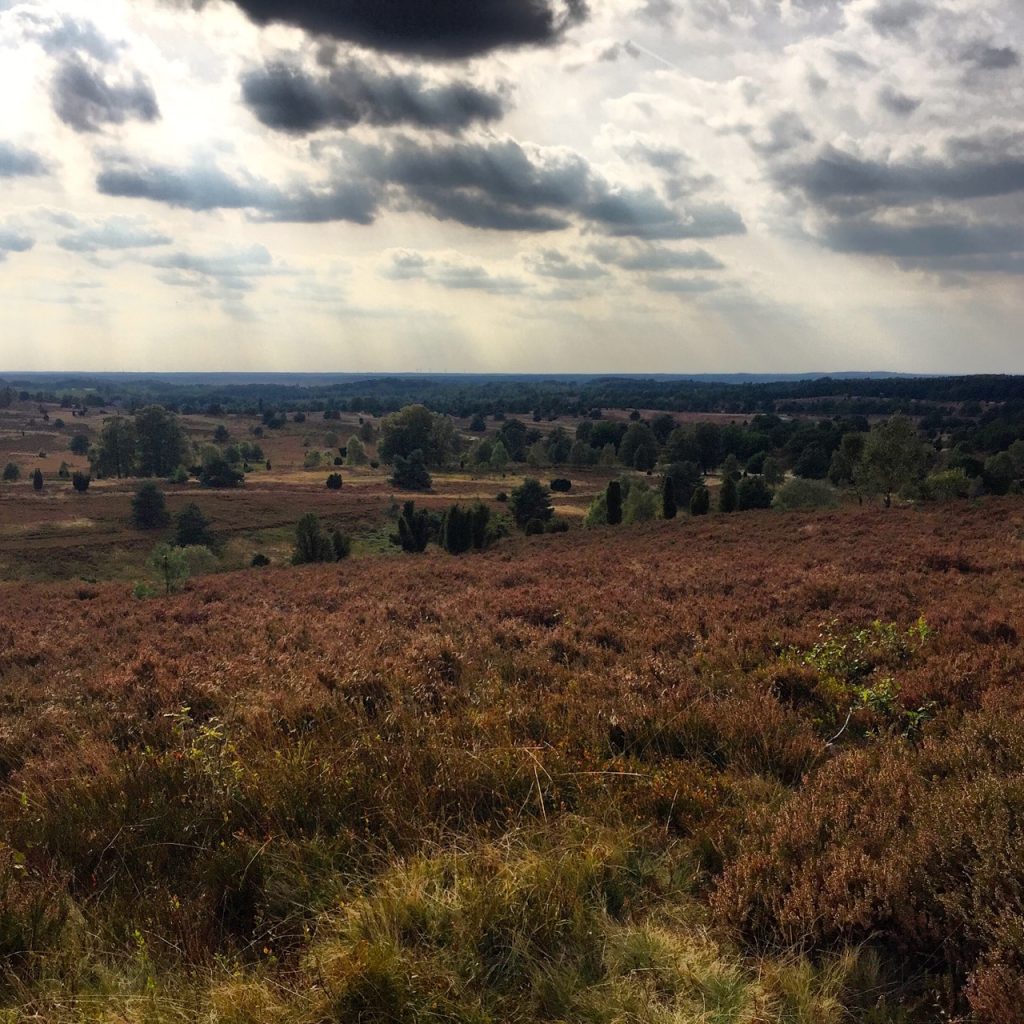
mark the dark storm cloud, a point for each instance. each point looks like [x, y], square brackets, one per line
[975, 169]
[896, 102]
[443, 29]
[86, 101]
[650, 257]
[11, 241]
[288, 99]
[896, 17]
[16, 162]
[986, 57]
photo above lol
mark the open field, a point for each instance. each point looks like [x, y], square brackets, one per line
[629, 763]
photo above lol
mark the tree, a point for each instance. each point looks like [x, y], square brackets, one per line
[581, 454]
[700, 501]
[411, 473]
[161, 445]
[663, 424]
[220, 435]
[727, 500]
[708, 439]
[477, 424]
[801, 493]
[79, 445]
[499, 458]
[311, 543]
[731, 467]
[149, 508]
[334, 482]
[413, 529]
[813, 462]
[685, 477]
[561, 485]
[80, 481]
[640, 505]
[772, 472]
[753, 492]
[192, 527]
[531, 500]
[639, 447]
[171, 565]
[893, 458]
[341, 544]
[37, 479]
[355, 452]
[456, 531]
[415, 428]
[999, 472]
[668, 499]
[115, 449]
[11, 472]
[613, 502]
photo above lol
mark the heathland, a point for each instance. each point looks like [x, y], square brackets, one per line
[762, 765]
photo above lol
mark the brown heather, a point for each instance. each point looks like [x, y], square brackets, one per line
[595, 777]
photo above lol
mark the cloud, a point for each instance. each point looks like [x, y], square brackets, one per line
[449, 271]
[205, 187]
[896, 102]
[59, 33]
[648, 257]
[974, 169]
[12, 241]
[224, 275]
[941, 245]
[286, 98]
[986, 57]
[680, 285]
[114, 233]
[16, 162]
[442, 29]
[503, 185]
[896, 17]
[552, 263]
[86, 101]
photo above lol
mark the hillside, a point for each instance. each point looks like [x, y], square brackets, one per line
[610, 776]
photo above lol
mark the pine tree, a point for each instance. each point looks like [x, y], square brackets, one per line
[311, 543]
[700, 501]
[37, 479]
[668, 499]
[613, 497]
[727, 499]
[413, 528]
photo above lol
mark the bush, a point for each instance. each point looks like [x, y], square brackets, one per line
[79, 445]
[37, 479]
[728, 499]
[561, 485]
[413, 529]
[947, 485]
[80, 482]
[531, 500]
[411, 473]
[558, 525]
[533, 527]
[216, 471]
[259, 560]
[753, 492]
[334, 482]
[149, 508]
[501, 496]
[311, 543]
[700, 501]
[342, 545]
[192, 527]
[613, 503]
[800, 492]
[179, 476]
[641, 504]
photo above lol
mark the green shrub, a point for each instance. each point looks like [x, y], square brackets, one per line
[149, 508]
[800, 492]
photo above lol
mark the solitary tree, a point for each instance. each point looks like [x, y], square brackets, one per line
[11, 472]
[37, 479]
[334, 482]
[893, 458]
[149, 508]
[413, 528]
[79, 445]
[80, 481]
[161, 445]
[171, 565]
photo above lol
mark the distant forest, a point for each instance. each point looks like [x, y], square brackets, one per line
[541, 397]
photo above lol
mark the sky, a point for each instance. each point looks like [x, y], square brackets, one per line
[672, 186]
